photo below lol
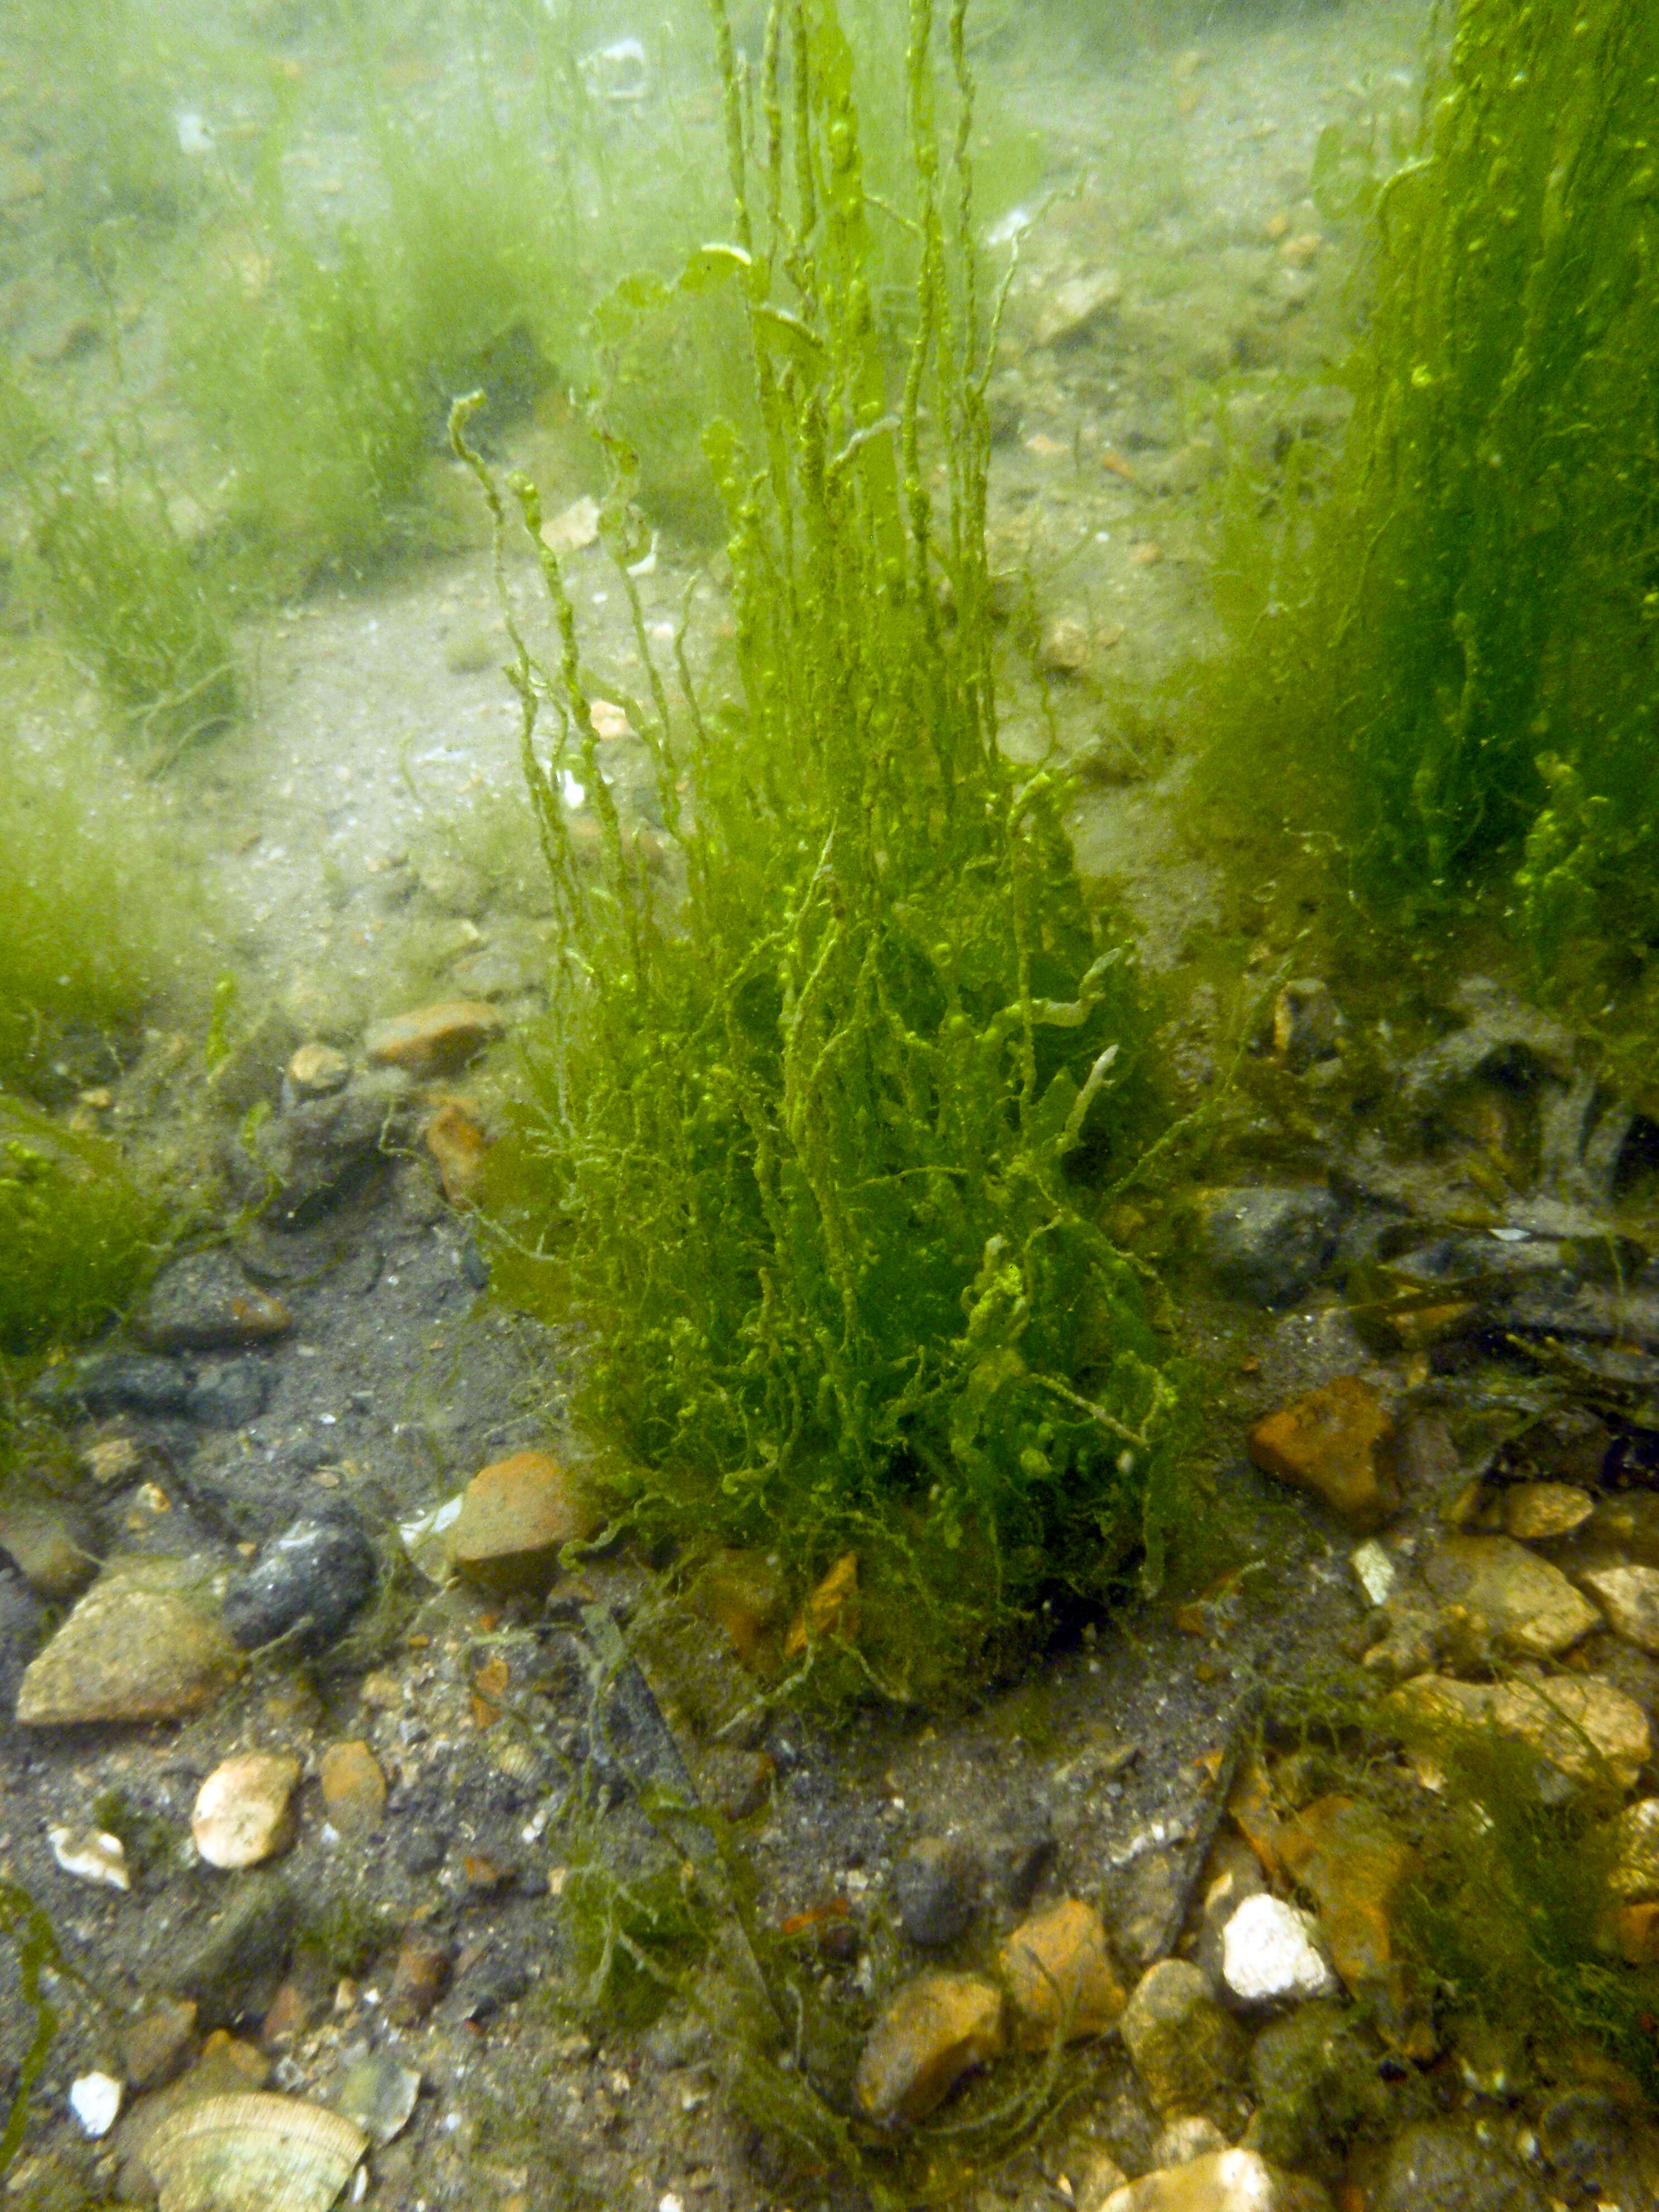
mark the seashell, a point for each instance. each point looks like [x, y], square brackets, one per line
[253, 2154]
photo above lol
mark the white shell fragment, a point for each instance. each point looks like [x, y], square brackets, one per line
[91, 1856]
[95, 2101]
[1269, 1953]
[258, 2153]
[1374, 1569]
[423, 1536]
[577, 526]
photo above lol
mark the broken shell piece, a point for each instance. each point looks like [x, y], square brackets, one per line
[610, 721]
[90, 1855]
[253, 2154]
[577, 526]
[378, 2095]
[95, 2101]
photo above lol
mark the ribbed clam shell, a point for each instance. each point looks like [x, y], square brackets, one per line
[253, 2154]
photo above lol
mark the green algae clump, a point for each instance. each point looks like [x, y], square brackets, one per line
[76, 1233]
[814, 1116]
[1448, 664]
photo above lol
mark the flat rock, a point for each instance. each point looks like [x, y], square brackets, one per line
[1067, 310]
[516, 1516]
[1536, 1512]
[1586, 1729]
[244, 1811]
[1528, 1609]
[113, 1383]
[1268, 1243]
[229, 1966]
[1337, 1441]
[155, 2045]
[309, 1159]
[354, 1787]
[1221, 2181]
[934, 2030]
[1059, 1977]
[204, 1303]
[228, 1394]
[1629, 1596]
[436, 1040]
[1635, 1877]
[51, 1543]
[142, 1645]
[1185, 2048]
[1444, 2165]
[1270, 1953]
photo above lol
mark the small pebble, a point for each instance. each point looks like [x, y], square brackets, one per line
[95, 2101]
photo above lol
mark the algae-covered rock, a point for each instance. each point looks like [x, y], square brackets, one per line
[1444, 2165]
[1185, 2048]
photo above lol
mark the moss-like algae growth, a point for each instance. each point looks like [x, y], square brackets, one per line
[1511, 1922]
[810, 1126]
[1450, 661]
[77, 1234]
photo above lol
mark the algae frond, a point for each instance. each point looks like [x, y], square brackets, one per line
[811, 1126]
[1447, 662]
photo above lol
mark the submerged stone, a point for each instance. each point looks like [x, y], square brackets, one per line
[204, 1303]
[932, 2032]
[1337, 1441]
[142, 1645]
[1267, 1244]
[314, 1578]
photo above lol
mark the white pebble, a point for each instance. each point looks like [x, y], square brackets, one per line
[95, 2101]
[1268, 1951]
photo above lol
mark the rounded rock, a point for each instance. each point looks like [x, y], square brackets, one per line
[244, 1810]
[936, 2029]
[310, 1582]
[1269, 1954]
[1185, 2048]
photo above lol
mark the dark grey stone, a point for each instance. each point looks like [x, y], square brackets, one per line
[205, 1303]
[311, 1582]
[496, 1977]
[114, 1382]
[325, 1151]
[229, 1393]
[1269, 1243]
[1443, 2165]
[21, 1615]
[936, 1887]
[423, 1851]
[233, 1967]
[1021, 1856]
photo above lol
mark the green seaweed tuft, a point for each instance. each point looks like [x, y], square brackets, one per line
[812, 1119]
[78, 1235]
[1510, 1923]
[1446, 673]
